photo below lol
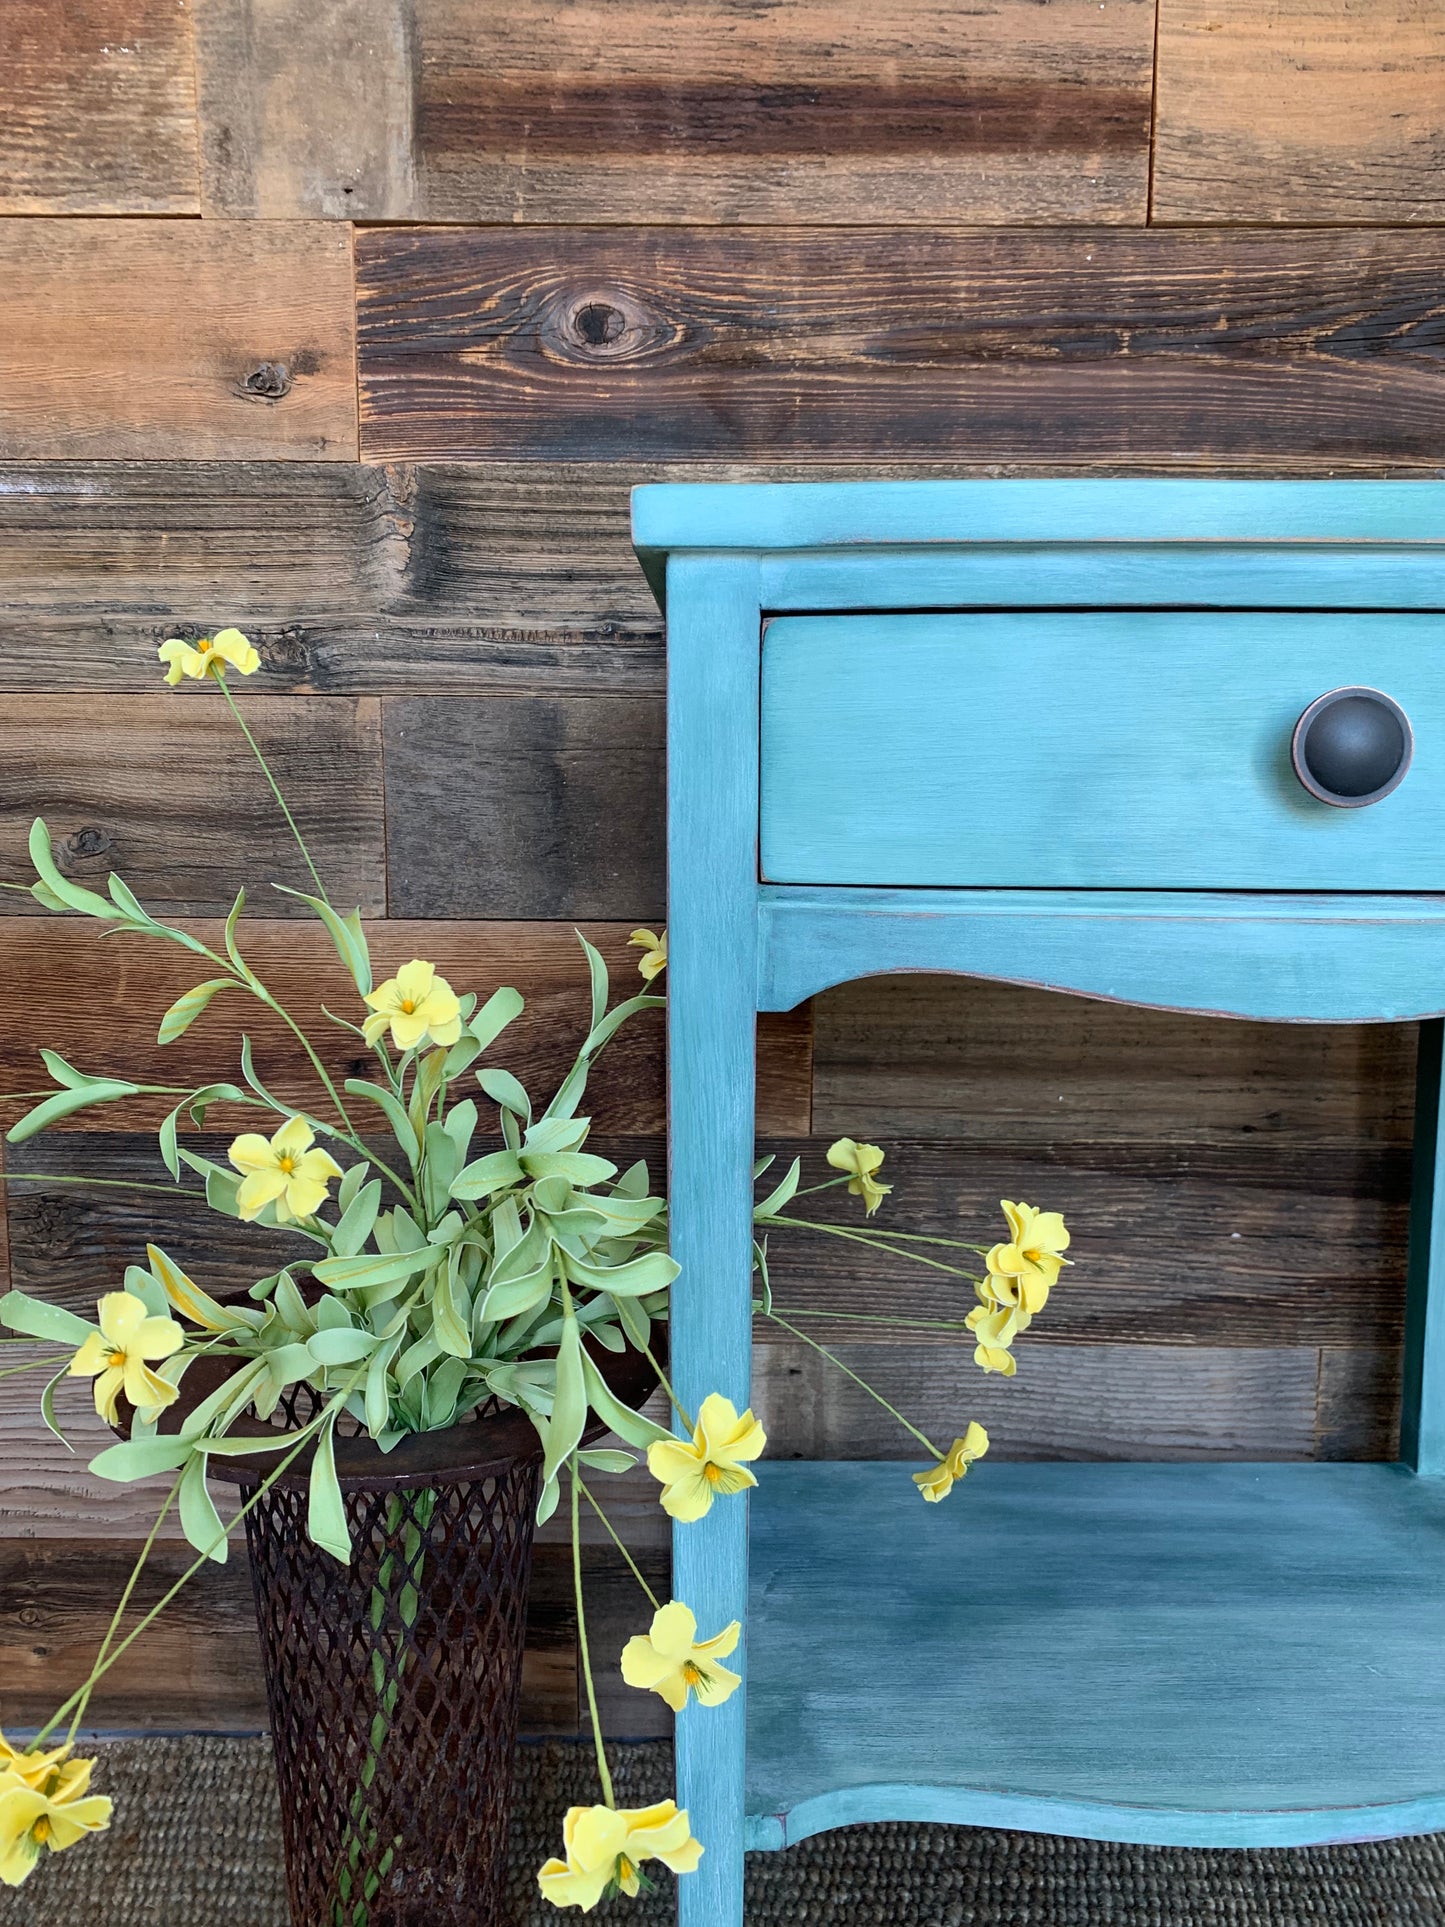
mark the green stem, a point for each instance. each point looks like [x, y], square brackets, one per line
[878, 1318]
[108, 1184]
[602, 1772]
[876, 1243]
[665, 1383]
[275, 790]
[833, 1359]
[32, 1365]
[612, 1535]
[119, 1613]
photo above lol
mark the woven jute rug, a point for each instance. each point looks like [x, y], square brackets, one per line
[195, 1844]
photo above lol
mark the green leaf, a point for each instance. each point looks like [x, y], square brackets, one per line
[200, 1520]
[495, 1172]
[500, 1009]
[352, 1180]
[577, 1167]
[512, 1297]
[35, 1319]
[547, 1504]
[760, 1261]
[652, 1271]
[604, 1032]
[354, 1226]
[47, 1408]
[504, 1089]
[70, 894]
[634, 1320]
[186, 1009]
[367, 1268]
[127, 902]
[248, 1071]
[604, 1459]
[46, 897]
[325, 1508]
[443, 1388]
[616, 1416]
[460, 1126]
[448, 1326]
[141, 1459]
[597, 971]
[341, 1347]
[396, 1115]
[782, 1193]
[64, 1073]
[222, 1188]
[232, 949]
[103, 1090]
[345, 932]
[378, 1398]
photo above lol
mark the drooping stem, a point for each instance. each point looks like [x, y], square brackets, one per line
[31, 1365]
[612, 1535]
[602, 1772]
[109, 1184]
[877, 1242]
[275, 790]
[878, 1318]
[665, 1383]
[878, 1397]
[124, 1601]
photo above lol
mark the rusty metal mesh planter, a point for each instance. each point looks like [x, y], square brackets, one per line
[394, 1683]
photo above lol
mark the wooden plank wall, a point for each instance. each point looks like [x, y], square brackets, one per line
[352, 321]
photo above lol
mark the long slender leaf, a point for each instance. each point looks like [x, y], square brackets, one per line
[373, 1268]
[104, 1090]
[200, 1520]
[396, 1115]
[141, 1459]
[35, 1319]
[617, 1417]
[187, 1008]
[70, 894]
[504, 1089]
[325, 1508]
[345, 932]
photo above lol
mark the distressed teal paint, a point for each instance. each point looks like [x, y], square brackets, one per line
[1124, 749]
[1280, 958]
[712, 792]
[1204, 1654]
[1183, 1655]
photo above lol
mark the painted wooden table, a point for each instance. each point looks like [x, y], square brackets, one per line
[1059, 733]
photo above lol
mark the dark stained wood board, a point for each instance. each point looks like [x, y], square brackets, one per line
[100, 1002]
[176, 340]
[164, 789]
[656, 344]
[97, 108]
[1313, 111]
[837, 113]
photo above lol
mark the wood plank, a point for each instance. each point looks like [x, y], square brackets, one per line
[101, 1004]
[967, 1061]
[56, 1600]
[1300, 110]
[97, 108]
[654, 344]
[1067, 1402]
[1358, 1408]
[164, 789]
[616, 1608]
[835, 113]
[306, 109]
[560, 813]
[176, 341]
[1251, 1247]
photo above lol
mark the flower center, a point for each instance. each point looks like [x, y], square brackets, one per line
[693, 1673]
[204, 646]
[116, 1360]
[712, 1473]
[288, 1165]
[408, 1005]
[625, 1868]
[41, 1829]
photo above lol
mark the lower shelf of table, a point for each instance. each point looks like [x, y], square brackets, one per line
[1186, 1655]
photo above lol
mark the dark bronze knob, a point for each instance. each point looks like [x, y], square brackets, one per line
[1352, 746]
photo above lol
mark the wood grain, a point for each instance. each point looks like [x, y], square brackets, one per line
[837, 113]
[176, 341]
[1067, 1402]
[650, 344]
[963, 1060]
[307, 108]
[561, 812]
[100, 1003]
[97, 108]
[1300, 110]
[164, 789]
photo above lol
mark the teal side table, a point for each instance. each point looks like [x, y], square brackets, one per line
[1047, 732]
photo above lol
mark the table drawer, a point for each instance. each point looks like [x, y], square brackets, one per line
[1110, 750]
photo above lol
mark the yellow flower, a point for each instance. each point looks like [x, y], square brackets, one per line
[605, 1846]
[994, 1331]
[693, 1475]
[938, 1481]
[416, 1005]
[862, 1160]
[50, 1810]
[668, 1661]
[283, 1171]
[655, 962]
[1022, 1271]
[115, 1356]
[29, 1767]
[208, 656]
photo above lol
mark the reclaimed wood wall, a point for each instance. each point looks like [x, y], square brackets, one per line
[352, 321]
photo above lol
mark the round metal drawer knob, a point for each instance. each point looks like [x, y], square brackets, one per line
[1352, 746]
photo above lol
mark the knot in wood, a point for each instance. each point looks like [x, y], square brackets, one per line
[598, 323]
[603, 325]
[268, 381]
[91, 841]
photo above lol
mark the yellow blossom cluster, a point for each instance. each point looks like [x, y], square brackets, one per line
[1022, 1270]
[45, 1802]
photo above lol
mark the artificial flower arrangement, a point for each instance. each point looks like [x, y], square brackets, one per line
[427, 1283]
